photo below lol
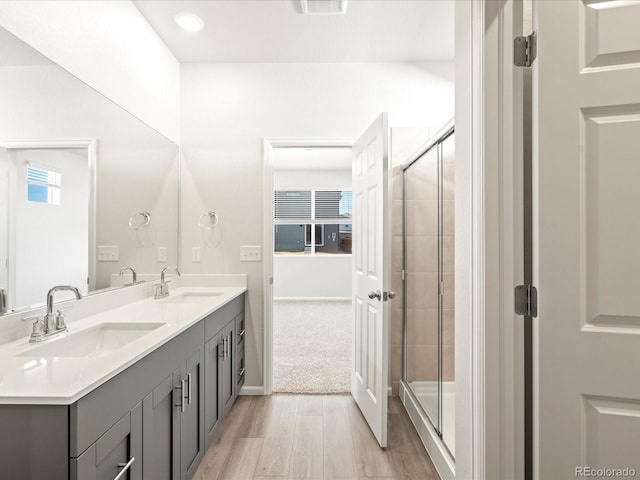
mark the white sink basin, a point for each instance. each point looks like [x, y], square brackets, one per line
[97, 341]
[191, 297]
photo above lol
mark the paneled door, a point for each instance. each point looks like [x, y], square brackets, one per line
[371, 276]
[586, 237]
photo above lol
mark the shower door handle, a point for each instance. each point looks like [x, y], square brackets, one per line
[377, 294]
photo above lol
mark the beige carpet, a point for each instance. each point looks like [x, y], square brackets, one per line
[312, 344]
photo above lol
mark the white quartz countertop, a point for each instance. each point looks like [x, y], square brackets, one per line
[42, 378]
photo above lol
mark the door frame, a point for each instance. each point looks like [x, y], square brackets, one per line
[269, 144]
[489, 241]
[92, 147]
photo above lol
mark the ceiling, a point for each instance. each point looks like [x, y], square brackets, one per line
[277, 31]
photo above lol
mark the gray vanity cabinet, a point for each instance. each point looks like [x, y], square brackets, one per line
[154, 419]
[161, 420]
[240, 367]
[117, 452]
[173, 423]
[214, 352]
[192, 415]
[229, 367]
[221, 383]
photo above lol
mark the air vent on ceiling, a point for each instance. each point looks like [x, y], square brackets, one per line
[323, 7]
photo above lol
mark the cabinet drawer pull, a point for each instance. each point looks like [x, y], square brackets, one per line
[241, 372]
[241, 334]
[124, 467]
[182, 389]
[226, 346]
[189, 388]
[221, 348]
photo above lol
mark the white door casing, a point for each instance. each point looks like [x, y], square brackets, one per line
[371, 275]
[585, 237]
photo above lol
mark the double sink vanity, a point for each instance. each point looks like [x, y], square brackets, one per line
[134, 391]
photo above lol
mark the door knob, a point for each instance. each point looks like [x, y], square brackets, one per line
[377, 294]
[392, 295]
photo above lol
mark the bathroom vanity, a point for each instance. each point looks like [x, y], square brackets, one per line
[135, 392]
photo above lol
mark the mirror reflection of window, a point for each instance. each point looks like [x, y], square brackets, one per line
[43, 186]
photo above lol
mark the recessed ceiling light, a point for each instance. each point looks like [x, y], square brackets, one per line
[189, 21]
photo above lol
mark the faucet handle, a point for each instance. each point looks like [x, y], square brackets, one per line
[31, 318]
[60, 324]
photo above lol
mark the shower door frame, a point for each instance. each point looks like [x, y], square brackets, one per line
[434, 143]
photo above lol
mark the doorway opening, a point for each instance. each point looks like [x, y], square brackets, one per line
[311, 209]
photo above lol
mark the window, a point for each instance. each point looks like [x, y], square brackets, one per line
[326, 213]
[43, 186]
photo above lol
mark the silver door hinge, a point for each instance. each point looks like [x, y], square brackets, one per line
[526, 300]
[525, 50]
[403, 275]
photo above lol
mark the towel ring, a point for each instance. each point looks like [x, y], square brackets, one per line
[139, 220]
[212, 223]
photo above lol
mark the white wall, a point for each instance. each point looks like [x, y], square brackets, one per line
[306, 276]
[312, 179]
[227, 111]
[110, 46]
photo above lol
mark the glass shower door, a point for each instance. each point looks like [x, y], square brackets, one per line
[429, 252]
[421, 207]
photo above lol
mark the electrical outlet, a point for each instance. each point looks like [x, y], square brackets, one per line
[162, 254]
[195, 254]
[250, 253]
[108, 253]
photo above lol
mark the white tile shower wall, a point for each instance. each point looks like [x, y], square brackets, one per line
[228, 110]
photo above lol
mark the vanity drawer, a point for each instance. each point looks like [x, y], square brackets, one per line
[118, 450]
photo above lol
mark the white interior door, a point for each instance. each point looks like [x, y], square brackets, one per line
[586, 235]
[371, 272]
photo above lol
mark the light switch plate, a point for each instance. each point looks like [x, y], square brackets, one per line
[195, 254]
[250, 253]
[108, 253]
[162, 254]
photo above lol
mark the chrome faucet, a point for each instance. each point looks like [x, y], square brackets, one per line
[133, 272]
[51, 324]
[162, 290]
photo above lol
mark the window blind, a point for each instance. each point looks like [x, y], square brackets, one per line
[307, 206]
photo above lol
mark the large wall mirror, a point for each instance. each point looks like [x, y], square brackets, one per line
[85, 187]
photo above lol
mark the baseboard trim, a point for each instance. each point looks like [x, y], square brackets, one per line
[251, 390]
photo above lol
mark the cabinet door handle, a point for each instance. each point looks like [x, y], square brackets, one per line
[189, 388]
[221, 348]
[226, 347]
[241, 334]
[182, 390]
[124, 467]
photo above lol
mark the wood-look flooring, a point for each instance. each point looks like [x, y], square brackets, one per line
[312, 437]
